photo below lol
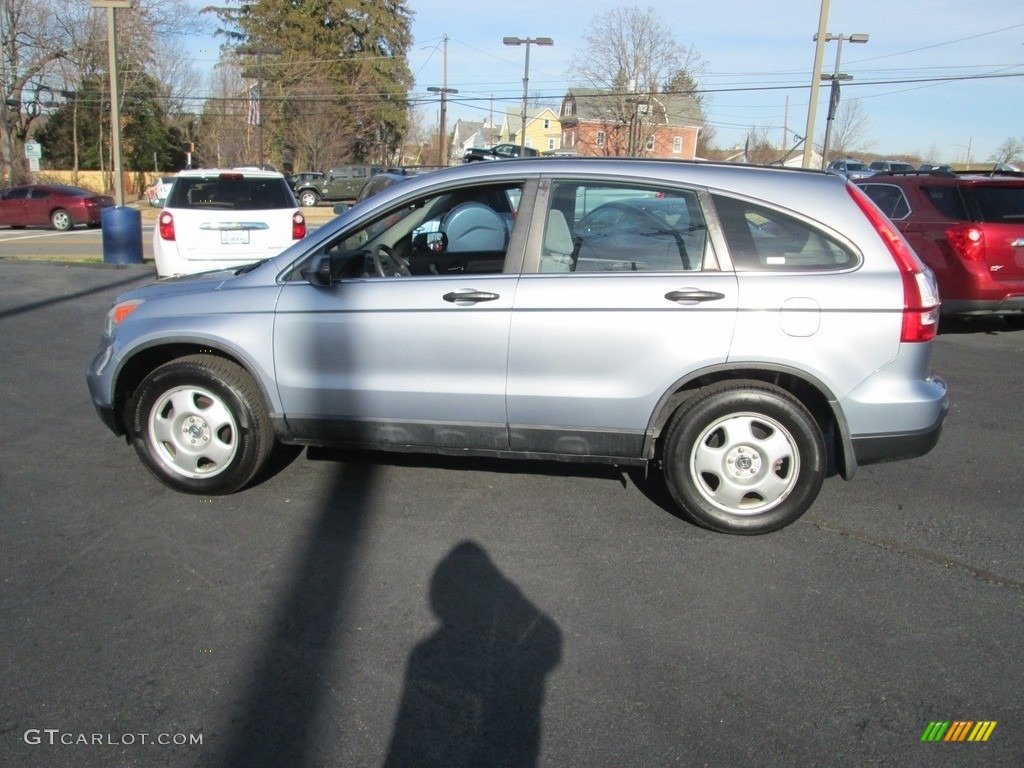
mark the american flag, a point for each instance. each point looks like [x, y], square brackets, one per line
[254, 105]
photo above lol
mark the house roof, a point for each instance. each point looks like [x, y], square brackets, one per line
[597, 105]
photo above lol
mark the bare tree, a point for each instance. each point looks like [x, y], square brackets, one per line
[1009, 151]
[629, 55]
[850, 130]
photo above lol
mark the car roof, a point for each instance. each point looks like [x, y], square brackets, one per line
[245, 171]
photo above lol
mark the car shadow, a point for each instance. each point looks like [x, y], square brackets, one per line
[990, 324]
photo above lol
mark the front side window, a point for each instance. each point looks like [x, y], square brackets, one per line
[600, 227]
[451, 233]
[764, 239]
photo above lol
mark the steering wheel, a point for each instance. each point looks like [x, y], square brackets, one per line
[399, 266]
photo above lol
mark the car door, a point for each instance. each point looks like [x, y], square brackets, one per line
[37, 206]
[12, 207]
[596, 342]
[415, 361]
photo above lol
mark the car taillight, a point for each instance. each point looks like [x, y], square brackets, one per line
[920, 291]
[298, 226]
[968, 241]
[166, 225]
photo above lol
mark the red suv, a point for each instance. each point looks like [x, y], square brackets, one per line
[969, 228]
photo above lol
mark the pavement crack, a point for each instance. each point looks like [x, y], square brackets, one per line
[926, 555]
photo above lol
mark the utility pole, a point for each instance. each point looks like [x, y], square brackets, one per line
[256, 116]
[444, 90]
[115, 106]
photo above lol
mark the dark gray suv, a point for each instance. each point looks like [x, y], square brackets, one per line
[747, 331]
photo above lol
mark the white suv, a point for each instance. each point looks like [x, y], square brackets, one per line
[218, 219]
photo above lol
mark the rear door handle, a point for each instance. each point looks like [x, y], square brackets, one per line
[469, 296]
[693, 294]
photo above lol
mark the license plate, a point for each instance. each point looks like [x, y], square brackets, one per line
[234, 237]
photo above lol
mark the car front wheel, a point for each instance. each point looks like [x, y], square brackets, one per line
[200, 425]
[61, 220]
[743, 457]
[309, 199]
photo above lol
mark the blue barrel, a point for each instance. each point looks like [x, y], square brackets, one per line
[122, 235]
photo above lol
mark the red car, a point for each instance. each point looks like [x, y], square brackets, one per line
[969, 228]
[56, 205]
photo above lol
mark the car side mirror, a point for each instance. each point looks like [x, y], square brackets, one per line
[430, 242]
[321, 275]
[340, 208]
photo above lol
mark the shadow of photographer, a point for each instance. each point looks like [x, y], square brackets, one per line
[474, 688]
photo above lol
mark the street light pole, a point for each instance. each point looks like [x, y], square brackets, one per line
[527, 41]
[835, 77]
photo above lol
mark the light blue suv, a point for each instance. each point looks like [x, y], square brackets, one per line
[746, 330]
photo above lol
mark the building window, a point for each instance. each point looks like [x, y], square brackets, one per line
[677, 144]
[547, 124]
[551, 143]
[600, 139]
[650, 143]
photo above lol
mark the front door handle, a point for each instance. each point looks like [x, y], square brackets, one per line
[469, 296]
[693, 294]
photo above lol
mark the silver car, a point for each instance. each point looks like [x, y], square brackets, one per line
[759, 330]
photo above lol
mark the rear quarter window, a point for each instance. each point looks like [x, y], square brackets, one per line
[889, 198]
[767, 240]
[946, 198]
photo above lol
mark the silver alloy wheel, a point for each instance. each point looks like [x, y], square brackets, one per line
[309, 199]
[745, 463]
[193, 432]
[61, 220]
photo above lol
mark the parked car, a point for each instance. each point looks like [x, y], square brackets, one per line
[157, 192]
[851, 169]
[340, 184]
[890, 166]
[935, 167]
[301, 179]
[497, 152]
[969, 229]
[56, 205]
[384, 180]
[216, 219]
[794, 341]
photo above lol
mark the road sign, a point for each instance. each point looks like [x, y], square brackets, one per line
[33, 165]
[33, 149]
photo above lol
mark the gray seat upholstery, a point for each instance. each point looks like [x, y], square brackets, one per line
[558, 245]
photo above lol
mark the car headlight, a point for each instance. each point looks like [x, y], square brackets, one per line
[119, 312]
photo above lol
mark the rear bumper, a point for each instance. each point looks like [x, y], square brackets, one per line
[896, 446]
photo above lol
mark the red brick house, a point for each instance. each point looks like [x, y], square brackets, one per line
[602, 123]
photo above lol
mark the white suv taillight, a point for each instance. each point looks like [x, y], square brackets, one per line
[298, 226]
[166, 225]
[920, 291]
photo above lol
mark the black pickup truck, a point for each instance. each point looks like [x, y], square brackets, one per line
[497, 152]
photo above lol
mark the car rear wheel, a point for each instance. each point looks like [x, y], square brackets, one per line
[61, 220]
[743, 457]
[200, 425]
[308, 198]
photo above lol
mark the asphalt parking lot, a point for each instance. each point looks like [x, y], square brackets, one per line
[370, 610]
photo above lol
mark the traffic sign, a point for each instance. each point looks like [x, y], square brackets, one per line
[33, 150]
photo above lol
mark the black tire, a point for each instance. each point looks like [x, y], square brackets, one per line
[308, 198]
[61, 220]
[200, 425]
[743, 457]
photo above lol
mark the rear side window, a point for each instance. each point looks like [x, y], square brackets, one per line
[889, 198]
[598, 227]
[763, 239]
[948, 201]
[997, 204]
[239, 194]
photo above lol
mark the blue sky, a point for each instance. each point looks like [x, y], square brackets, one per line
[934, 79]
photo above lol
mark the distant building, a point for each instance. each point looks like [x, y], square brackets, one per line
[543, 129]
[603, 123]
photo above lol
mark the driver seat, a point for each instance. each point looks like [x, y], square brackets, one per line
[474, 227]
